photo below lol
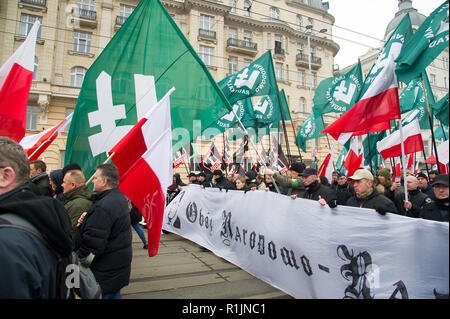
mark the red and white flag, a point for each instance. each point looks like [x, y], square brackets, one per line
[34, 145]
[379, 102]
[326, 169]
[412, 141]
[354, 159]
[145, 154]
[16, 75]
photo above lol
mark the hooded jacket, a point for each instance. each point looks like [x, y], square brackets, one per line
[28, 267]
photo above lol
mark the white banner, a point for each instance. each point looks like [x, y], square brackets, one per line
[312, 251]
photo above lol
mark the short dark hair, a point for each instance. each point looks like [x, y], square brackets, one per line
[110, 173]
[70, 167]
[12, 154]
[38, 164]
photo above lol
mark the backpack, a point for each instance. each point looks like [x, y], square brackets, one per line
[72, 277]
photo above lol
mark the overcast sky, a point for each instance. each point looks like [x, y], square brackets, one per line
[369, 18]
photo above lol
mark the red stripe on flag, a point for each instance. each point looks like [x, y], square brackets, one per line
[411, 144]
[13, 102]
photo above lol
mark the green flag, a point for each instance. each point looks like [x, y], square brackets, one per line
[147, 56]
[441, 133]
[285, 106]
[241, 108]
[413, 96]
[310, 129]
[425, 45]
[254, 80]
[372, 155]
[440, 110]
[339, 93]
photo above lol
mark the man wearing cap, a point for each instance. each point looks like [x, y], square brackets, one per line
[334, 180]
[366, 196]
[344, 190]
[192, 178]
[416, 200]
[220, 181]
[201, 180]
[424, 187]
[294, 185]
[316, 191]
[438, 210]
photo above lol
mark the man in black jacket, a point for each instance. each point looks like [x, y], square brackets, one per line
[344, 189]
[39, 177]
[28, 269]
[366, 196]
[105, 234]
[416, 199]
[439, 209]
[424, 186]
[316, 191]
[220, 181]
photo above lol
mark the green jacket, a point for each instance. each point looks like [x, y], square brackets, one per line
[294, 186]
[76, 202]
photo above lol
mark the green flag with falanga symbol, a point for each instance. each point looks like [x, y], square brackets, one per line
[310, 129]
[148, 55]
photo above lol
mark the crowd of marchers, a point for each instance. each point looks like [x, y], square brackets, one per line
[47, 218]
[427, 196]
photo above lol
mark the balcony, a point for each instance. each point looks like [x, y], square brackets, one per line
[84, 18]
[206, 35]
[302, 60]
[120, 20]
[242, 46]
[34, 5]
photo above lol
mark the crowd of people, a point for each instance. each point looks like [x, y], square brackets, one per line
[45, 218]
[427, 198]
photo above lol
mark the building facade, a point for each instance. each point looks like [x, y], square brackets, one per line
[227, 35]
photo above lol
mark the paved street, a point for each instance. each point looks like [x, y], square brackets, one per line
[182, 270]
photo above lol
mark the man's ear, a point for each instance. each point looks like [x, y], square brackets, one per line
[7, 178]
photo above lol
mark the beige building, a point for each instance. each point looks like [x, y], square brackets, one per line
[228, 35]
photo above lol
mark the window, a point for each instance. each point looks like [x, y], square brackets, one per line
[247, 7]
[314, 79]
[86, 4]
[207, 55]
[26, 23]
[62, 155]
[310, 22]
[301, 77]
[35, 68]
[232, 33]
[299, 22]
[32, 112]
[206, 22]
[77, 76]
[232, 65]
[445, 62]
[233, 6]
[247, 62]
[302, 105]
[82, 42]
[445, 82]
[432, 79]
[299, 48]
[274, 13]
[247, 38]
[278, 44]
[269, 41]
[125, 11]
[279, 71]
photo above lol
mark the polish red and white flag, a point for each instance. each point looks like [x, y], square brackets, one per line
[144, 160]
[412, 141]
[34, 145]
[16, 75]
[353, 160]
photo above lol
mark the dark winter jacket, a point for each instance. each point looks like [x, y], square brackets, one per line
[135, 215]
[57, 177]
[438, 211]
[344, 192]
[77, 201]
[27, 266]
[429, 191]
[314, 190]
[418, 200]
[106, 233]
[43, 184]
[376, 201]
[224, 183]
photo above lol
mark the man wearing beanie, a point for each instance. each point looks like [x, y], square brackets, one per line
[390, 188]
[294, 185]
[424, 187]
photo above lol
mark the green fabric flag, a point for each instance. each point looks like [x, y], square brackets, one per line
[285, 106]
[373, 155]
[339, 93]
[254, 80]
[310, 129]
[147, 56]
[425, 45]
[440, 110]
[441, 133]
[413, 96]
[244, 111]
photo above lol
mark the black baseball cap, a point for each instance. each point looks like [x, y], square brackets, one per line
[308, 172]
[218, 172]
[441, 179]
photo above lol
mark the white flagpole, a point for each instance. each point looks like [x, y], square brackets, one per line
[403, 159]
